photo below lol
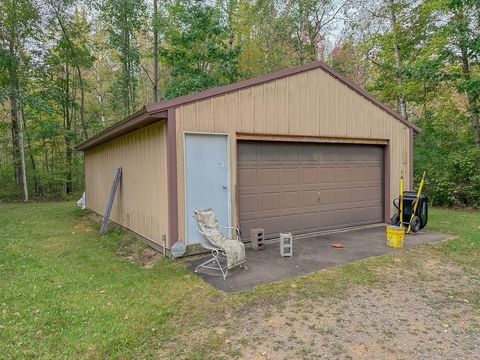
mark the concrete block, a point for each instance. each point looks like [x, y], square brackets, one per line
[286, 244]
[257, 238]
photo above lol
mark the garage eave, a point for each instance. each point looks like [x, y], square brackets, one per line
[135, 121]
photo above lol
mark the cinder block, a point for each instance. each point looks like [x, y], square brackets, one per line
[257, 238]
[286, 244]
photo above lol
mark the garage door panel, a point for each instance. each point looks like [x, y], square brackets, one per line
[290, 176]
[248, 177]
[270, 201]
[360, 173]
[270, 225]
[248, 202]
[302, 187]
[374, 212]
[374, 173]
[288, 153]
[309, 198]
[372, 193]
[326, 197]
[327, 219]
[359, 194]
[326, 175]
[376, 154]
[357, 215]
[248, 153]
[290, 223]
[343, 196]
[309, 175]
[357, 155]
[248, 224]
[343, 174]
[343, 217]
[325, 153]
[269, 153]
[342, 154]
[308, 153]
[309, 221]
[290, 199]
[270, 176]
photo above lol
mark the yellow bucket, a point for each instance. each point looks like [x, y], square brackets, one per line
[395, 236]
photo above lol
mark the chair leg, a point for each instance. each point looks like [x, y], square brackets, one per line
[214, 259]
[205, 263]
[224, 273]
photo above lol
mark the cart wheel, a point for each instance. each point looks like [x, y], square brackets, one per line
[415, 224]
[395, 220]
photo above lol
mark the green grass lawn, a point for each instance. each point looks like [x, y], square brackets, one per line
[66, 292]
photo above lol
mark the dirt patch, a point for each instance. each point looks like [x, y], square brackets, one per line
[136, 252]
[94, 217]
[131, 249]
[420, 309]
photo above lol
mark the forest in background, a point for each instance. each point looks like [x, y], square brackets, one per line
[69, 68]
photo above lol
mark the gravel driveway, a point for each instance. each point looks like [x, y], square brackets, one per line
[424, 307]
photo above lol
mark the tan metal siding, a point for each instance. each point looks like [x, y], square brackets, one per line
[141, 201]
[312, 103]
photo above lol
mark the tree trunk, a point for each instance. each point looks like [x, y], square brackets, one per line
[68, 129]
[79, 72]
[18, 153]
[126, 66]
[15, 135]
[45, 157]
[82, 104]
[401, 103]
[36, 182]
[155, 51]
[131, 82]
[22, 157]
[473, 107]
[472, 99]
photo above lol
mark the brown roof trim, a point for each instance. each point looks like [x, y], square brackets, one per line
[172, 173]
[310, 138]
[220, 90]
[386, 182]
[370, 97]
[182, 100]
[158, 110]
[135, 121]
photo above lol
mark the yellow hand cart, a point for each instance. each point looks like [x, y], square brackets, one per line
[412, 208]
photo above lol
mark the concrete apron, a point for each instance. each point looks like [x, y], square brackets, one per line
[311, 254]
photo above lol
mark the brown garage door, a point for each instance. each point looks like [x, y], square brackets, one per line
[304, 187]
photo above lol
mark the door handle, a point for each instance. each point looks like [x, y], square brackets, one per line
[224, 187]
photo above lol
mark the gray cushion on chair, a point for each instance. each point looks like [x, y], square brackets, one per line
[208, 224]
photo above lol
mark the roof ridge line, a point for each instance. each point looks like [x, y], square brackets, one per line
[161, 106]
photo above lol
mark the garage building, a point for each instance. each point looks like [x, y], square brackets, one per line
[301, 150]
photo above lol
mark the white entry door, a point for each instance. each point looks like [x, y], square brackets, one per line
[207, 178]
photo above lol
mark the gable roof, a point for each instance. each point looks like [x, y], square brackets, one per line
[156, 111]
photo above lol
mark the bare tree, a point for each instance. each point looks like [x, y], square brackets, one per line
[309, 22]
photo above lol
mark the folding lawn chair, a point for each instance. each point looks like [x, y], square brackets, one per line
[214, 240]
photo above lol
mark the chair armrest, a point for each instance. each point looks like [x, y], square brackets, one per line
[237, 230]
